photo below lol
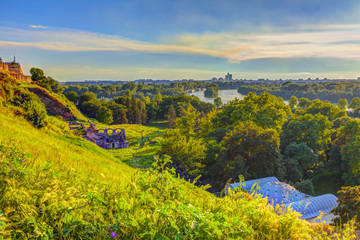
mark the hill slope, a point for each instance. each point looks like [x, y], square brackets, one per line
[55, 185]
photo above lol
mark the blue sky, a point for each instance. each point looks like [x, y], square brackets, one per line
[127, 40]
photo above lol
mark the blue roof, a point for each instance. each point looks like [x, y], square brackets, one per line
[247, 185]
[280, 193]
[309, 208]
[284, 194]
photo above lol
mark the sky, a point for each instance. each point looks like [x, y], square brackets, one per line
[183, 39]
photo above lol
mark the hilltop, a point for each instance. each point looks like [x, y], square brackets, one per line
[56, 185]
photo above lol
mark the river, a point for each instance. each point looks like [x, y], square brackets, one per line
[225, 95]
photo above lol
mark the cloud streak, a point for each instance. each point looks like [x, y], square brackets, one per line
[306, 41]
[37, 26]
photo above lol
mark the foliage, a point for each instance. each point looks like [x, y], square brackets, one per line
[355, 103]
[36, 74]
[348, 205]
[313, 130]
[72, 96]
[35, 110]
[344, 153]
[265, 110]
[171, 116]
[211, 91]
[325, 91]
[243, 156]
[187, 153]
[293, 102]
[324, 108]
[105, 115]
[342, 104]
[299, 160]
[305, 186]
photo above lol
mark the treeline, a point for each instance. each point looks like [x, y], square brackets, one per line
[261, 136]
[141, 90]
[130, 109]
[136, 90]
[330, 91]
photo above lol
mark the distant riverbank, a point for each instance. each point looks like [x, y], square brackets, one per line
[225, 95]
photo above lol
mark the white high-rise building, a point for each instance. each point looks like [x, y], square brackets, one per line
[228, 77]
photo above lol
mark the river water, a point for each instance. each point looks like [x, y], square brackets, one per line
[225, 95]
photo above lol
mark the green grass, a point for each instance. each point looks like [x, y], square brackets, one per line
[63, 149]
[55, 185]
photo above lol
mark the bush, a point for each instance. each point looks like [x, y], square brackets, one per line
[348, 205]
[305, 186]
[35, 110]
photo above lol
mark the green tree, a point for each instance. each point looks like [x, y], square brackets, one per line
[218, 102]
[251, 151]
[91, 108]
[299, 161]
[350, 154]
[304, 102]
[342, 104]
[293, 102]
[187, 153]
[265, 110]
[211, 92]
[86, 97]
[171, 116]
[355, 103]
[325, 108]
[305, 186]
[313, 130]
[187, 122]
[72, 96]
[36, 74]
[348, 205]
[35, 110]
[119, 112]
[105, 115]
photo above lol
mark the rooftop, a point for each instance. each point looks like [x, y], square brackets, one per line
[286, 195]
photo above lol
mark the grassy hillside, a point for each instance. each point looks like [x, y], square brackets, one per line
[55, 185]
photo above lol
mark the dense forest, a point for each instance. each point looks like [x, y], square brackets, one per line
[330, 91]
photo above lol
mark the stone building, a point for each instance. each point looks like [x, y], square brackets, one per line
[14, 69]
[106, 138]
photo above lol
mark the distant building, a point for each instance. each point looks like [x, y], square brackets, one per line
[214, 79]
[221, 79]
[14, 69]
[228, 77]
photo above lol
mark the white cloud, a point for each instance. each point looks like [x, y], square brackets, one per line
[326, 41]
[36, 26]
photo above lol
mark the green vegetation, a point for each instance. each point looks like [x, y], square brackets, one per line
[37, 75]
[330, 91]
[56, 185]
[349, 205]
[211, 91]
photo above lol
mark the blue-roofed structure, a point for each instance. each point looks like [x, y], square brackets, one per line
[285, 195]
[248, 185]
[309, 208]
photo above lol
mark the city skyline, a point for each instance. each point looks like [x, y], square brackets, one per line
[128, 40]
